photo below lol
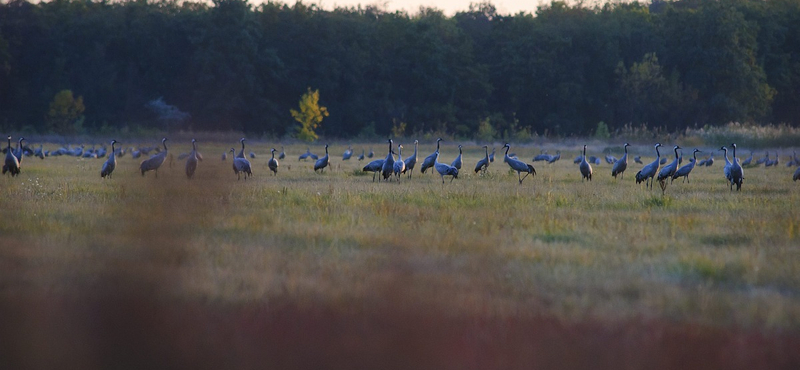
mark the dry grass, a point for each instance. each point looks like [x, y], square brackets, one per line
[552, 252]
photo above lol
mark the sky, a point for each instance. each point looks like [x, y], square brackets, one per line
[449, 7]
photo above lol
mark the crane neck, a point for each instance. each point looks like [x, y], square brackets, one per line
[658, 154]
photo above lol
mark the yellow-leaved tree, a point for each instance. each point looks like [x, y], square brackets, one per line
[310, 115]
[65, 115]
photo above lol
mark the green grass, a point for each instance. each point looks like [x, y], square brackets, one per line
[554, 245]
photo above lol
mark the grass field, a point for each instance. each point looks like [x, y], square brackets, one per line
[305, 270]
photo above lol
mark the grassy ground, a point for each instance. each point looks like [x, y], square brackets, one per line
[555, 264]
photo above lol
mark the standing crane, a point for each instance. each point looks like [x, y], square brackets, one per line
[749, 159]
[19, 153]
[737, 172]
[411, 161]
[554, 158]
[585, 167]
[191, 161]
[444, 169]
[361, 157]
[491, 156]
[399, 166]
[374, 167]
[483, 164]
[241, 166]
[283, 153]
[110, 164]
[323, 162]
[687, 168]
[388, 163]
[669, 170]
[458, 161]
[431, 159]
[11, 163]
[347, 153]
[649, 171]
[727, 169]
[241, 152]
[273, 163]
[622, 164]
[155, 161]
[518, 165]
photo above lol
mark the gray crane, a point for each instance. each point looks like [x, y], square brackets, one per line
[224, 156]
[687, 168]
[388, 163]
[669, 170]
[737, 172]
[39, 152]
[578, 159]
[585, 167]
[19, 153]
[708, 162]
[283, 153]
[749, 159]
[371, 153]
[727, 169]
[794, 161]
[621, 165]
[554, 158]
[191, 162]
[399, 166]
[763, 160]
[347, 153]
[649, 171]
[273, 163]
[483, 164]
[111, 162]
[306, 155]
[444, 169]
[361, 157]
[154, 162]
[518, 165]
[374, 167]
[411, 161]
[610, 159]
[323, 162]
[638, 159]
[458, 161]
[252, 155]
[491, 156]
[796, 174]
[241, 166]
[542, 156]
[241, 152]
[431, 159]
[11, 163]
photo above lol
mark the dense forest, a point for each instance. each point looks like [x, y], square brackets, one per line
[70, 66]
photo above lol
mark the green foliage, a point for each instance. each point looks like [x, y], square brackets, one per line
[309, 116]
[398, 129]
[666, 65]
[65, 116]
[602, 131]
[486, 133]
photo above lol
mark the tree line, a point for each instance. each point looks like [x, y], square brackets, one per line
[563, 70]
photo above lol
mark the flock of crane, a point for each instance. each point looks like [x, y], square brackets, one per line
[391, 168]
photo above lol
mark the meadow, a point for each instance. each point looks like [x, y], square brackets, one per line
[333, 270]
